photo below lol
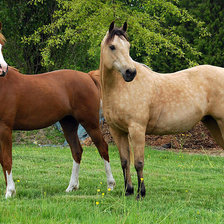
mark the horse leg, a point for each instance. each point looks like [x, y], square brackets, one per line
[121, 140]
[70, 126]
[137, 142]
[220, 123]
[6, 159]
[94, 132]
[214, 129]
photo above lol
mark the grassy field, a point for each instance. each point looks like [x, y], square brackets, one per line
[180, 188]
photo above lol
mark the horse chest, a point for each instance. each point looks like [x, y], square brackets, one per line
[116, 113]
[120, 111]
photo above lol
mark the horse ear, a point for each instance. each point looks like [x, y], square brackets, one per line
[111, 27]
[125, 26]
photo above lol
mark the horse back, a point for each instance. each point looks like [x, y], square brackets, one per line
[37, 101]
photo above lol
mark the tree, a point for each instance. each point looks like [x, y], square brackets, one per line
[211, 46]
[72, 38]
[20, 18]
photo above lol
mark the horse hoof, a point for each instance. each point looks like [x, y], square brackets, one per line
[111, 185]
[10, 193]
[72, 187]
[140, 196]
[129, 191]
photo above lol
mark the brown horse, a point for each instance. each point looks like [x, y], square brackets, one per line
[137, 100]
[3, 64]
[31, 102]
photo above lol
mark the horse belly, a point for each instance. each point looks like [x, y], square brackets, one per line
[40, 115]
[176, 121]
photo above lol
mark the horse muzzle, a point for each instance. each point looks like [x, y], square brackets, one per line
[129, 75]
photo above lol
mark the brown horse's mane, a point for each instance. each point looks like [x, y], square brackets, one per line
[2, 39]
[116, 31]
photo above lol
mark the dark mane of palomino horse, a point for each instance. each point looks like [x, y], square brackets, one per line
[31, 102]
[137, 100]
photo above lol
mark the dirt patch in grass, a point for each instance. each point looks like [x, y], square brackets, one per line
[197, 140]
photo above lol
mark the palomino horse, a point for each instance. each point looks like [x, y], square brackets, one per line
[31, 102]
[3, 64]
[137, 100]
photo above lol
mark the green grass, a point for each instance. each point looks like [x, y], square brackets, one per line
[180, 188]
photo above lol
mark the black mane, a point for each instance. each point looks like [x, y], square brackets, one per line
[116, 31]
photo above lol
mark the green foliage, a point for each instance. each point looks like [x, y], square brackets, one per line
[73, 37]
[21, 18]
[212, 13]
[167, 35]
[180, 189]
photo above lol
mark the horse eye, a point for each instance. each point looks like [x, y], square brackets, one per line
[112, 47]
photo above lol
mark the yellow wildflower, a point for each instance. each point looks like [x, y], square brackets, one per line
[97, 202]
[109, 189]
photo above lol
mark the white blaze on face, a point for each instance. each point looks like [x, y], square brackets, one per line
[74, 181]
[3, 64]
[110, 180]
[10, 189]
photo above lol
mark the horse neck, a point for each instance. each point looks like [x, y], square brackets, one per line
[12, 73]
[110, 81]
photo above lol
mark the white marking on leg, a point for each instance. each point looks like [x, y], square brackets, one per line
[110, 180]
[3, 64]
[10, 189]
[74, 181]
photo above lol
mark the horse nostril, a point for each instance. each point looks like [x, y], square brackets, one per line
[128, 72]
[129, 75]
[131, 72]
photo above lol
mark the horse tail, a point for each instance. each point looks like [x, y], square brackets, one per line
[95, 76]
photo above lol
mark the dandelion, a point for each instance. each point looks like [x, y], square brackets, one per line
[109, 189]
[141, 179]
[98, 190]
[97, 203]
[186, 191]
[18, 180]
[101, 182]
[103, 194]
